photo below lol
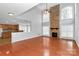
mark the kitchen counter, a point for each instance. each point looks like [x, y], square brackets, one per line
[7, 33]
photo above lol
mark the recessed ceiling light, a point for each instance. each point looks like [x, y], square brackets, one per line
[11, 14]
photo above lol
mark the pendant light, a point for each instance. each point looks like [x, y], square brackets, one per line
[46, 11]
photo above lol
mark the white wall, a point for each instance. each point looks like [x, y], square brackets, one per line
[77, 24]
[34, 16]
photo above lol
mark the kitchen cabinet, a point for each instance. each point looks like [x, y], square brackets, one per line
[6, 35]
[7, 29]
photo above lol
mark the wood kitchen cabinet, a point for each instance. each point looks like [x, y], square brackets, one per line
[8, 29]
[14, 27]
[0, 26]
[6, 35]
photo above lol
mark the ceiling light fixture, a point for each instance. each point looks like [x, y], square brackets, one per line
[11, 14]
[46, 11]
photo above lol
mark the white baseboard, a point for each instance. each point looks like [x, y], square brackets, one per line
[77, 43]
[67, 38]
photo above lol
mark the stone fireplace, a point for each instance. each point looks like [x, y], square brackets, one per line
[54, 20]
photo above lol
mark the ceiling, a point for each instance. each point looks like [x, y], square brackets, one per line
[18, 9]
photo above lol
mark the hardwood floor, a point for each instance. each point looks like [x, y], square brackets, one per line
[40, 46]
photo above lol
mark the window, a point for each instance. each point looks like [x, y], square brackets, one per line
[67, 13]
[28, 28]
[46, 25]
[66, 22]
[67, 30]
[46, 30]
[25, 28]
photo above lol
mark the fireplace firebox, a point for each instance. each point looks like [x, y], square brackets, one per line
[54, 34]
